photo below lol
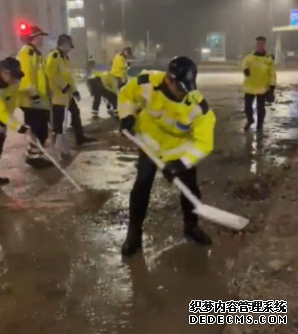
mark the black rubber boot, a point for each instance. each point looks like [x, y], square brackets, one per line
[195, 233]
[4, 181]
[260, 127]
[248, 125]
[38, 163]
[133, 241]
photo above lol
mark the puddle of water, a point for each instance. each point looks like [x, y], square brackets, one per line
[67, 275]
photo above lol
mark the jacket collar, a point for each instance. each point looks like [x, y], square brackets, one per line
[167, 93]
[123, 55]
[34, 49]
[260, 54]
[62, 54]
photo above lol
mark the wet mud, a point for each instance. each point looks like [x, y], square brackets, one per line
[60, 264]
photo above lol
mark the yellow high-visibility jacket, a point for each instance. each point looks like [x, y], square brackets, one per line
[108, 80]
[119, 66]
[34, 82]
[8, 103]
[173, 130]
[60, 75]
[262, 73]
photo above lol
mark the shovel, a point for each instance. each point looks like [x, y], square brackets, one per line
[85, 200]
[56, 164]
[205, 211]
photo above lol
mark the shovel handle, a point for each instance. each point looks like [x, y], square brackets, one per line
[160, 164]
[213, 214]
[55, 163]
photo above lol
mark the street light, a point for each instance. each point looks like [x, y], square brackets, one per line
[205, 51]
[123, 17]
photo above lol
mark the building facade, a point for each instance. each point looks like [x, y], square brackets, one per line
[49, 15]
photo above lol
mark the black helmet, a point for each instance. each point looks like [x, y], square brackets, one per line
[65, 39]
[13, 66]
[184, 71]
[128, 51]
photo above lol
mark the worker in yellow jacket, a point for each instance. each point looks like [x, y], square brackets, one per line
[64, 94]
[10, 75]
[34, 95]
[259, 82]
[103, 85]
[177, 124]
[120, 65]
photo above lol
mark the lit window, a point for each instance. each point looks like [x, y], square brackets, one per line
[76, 22]
[75, 4]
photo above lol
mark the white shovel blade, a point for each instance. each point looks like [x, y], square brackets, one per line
[221, 217]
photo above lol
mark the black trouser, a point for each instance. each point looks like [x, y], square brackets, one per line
[3, 130]
[38, 121]
[98, 91]
[140, 194]
[58, 119]
[261, 110]
[76, 119]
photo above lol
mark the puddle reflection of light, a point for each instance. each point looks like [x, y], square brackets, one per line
[254, 162]
[113, 283]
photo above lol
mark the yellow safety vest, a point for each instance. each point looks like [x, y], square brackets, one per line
[60, 75]
[34, 81]
[8, 103]
[262, 73]
[173, 130]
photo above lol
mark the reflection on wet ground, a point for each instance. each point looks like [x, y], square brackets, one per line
[63, 273]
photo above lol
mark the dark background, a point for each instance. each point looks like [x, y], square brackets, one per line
[182, 25]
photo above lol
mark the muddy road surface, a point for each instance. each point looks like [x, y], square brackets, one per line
[60, 264]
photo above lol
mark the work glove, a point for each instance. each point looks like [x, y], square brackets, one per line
[66, 89]
[247, 72]
[36, 99]
[77, 96]
[173, 169]
[270, 96]
[128, 123]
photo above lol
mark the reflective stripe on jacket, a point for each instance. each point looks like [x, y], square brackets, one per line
[173, 130]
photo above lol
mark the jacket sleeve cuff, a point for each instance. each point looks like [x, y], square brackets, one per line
[246, 72]
[66, 89]
[187, 162]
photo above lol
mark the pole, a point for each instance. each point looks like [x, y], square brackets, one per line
[86, 43]
[147, 44]
[123, 18]
[242, 29]
[271, 19]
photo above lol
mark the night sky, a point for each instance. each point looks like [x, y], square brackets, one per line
[182, 25]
